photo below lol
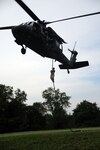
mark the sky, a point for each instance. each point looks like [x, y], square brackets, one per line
[31, 72]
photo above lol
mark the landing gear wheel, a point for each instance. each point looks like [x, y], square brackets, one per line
[23, 50]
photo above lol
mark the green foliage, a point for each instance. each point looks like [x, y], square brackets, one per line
[56, 103]
[59, 118]
[55, 98]
[35, 120]
[15, 115]
[12, 109]
[20, 96]
[86, 114]
[39, 107]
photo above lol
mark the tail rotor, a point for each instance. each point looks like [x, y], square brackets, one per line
[73, 52]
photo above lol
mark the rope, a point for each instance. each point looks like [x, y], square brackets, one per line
[52, 63]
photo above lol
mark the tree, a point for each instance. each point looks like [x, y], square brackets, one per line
[12, 109]
[56, 103]
[55, 98]
[17, 111]
[35, 120]
[39, 107]
[20, 96]
[59, 118]
[86, 114]
[6, 95]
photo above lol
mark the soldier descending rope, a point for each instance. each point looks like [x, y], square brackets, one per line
[52, 74]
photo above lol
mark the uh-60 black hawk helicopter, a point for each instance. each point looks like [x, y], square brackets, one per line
[44, 40]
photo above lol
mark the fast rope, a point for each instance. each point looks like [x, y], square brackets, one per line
[52, 74]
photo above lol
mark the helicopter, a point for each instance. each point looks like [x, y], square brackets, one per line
[43, 40]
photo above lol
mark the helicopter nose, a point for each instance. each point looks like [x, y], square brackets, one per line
[18, 31]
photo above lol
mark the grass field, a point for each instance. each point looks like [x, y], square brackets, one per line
[83, 139]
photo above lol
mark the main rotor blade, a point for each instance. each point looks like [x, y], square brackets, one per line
[28, 10]
[6, 28]
[85, 15]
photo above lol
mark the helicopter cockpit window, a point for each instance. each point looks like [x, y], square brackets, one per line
[36, 27]
[27, 23]
[57, 43]
[61, 46]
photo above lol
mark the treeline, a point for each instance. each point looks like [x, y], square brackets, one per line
[16, 115]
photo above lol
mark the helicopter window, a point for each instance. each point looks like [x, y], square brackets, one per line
[28, 23]
[57, 43]
[22, 24]
[61, 46]
[36, 27]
